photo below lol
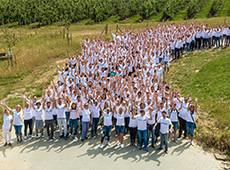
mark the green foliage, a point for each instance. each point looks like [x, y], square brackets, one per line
[7, 38]
[194, 7]
[173, 7]
[216, 7]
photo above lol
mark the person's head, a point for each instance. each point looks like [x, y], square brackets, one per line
[191, 108]
[149, 101]
[6, 112]
[73, 106]
[142, 111]
[107, 110]
[34, 98]
[103, 96]
[106, 105]
[185, 99]
[59, 83]
[120, 110]
[86, 106]
[164, 114]
[174, 106]
[96, 102]
[142, 105]
[48, 104]
[134, 111]
[38, 104]
[161, 105]
[60, 101]
[27, 105]
[78, 98]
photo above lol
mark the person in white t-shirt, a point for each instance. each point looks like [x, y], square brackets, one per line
[120, 115]
[17, 121]
[7, 125]
[74, 116]
[164, 129]
[142, 119]
[96, 116]
[39, 119]
[133, 126]
[48, 109]
[174, 119]
[190, 121]
[27, 109]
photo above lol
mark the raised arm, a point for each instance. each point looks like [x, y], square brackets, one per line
[196, 105]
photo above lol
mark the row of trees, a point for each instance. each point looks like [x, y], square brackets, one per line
[195, 7]
[173, 7]
[48, 11]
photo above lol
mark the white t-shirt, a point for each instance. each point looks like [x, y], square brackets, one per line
[142, 122]
[183, 111]
[164, 128]
[73, 114]
[189, 116]
[48, 113]
[174, 116]
[132, 122]
[27, 113]
[107, 119]
[38, 113]
[151, 122]
[60, 111]
[17, 121]
[86, 115]
[6, 121]
[120, 119]
[95, 111]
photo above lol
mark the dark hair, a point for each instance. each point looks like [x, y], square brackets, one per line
[163, 112]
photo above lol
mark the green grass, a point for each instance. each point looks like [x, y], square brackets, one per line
[157, 17]
[206, 74]
[225, 9]
[205, 10]
[132, 19]
[181, 15]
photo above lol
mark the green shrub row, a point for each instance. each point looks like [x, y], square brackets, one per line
[173, 7]
[194, 7]
[216, 7]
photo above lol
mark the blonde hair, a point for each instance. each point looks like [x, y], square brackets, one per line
[19, 107]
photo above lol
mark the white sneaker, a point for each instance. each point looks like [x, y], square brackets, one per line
[25, 137]
[118, 143]
[43, 136]
[48, 138]
[70, 137]
[75, 137]
[31, 136]
[192, 143]
[188, 141]
[53, 138]
[116, 135]
[36, 136]
[122, 146]
[108, 144]
[100, 145]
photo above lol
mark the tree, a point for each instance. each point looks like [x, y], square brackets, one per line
[8, 38]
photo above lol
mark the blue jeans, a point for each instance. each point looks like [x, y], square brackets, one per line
[67, 118]
[205, 42]
[164, 137]
[217, 40]
[228, 40]
[26, 123]
[85, 128]
[73, 122]
[150, 128]
[142, 134]
[18, 129]
[188, 47]
[190, 128]
[95, 125]
[127, 119]
[157, 130]
[106, 132]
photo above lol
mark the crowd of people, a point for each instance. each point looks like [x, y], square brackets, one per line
[118, 84]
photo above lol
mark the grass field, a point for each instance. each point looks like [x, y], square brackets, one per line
[204, 73]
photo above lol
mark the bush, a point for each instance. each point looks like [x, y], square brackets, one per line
[194, 7]
[173, 7]
[216, 7]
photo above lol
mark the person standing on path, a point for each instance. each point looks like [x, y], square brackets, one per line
[7, 125]
[142, 119]
[190, 121]
[17, 121]
[164, 129]
[74, 116]
[28, 117]
[86, 120]
[48, 108]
